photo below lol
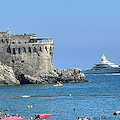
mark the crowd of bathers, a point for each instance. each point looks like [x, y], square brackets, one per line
[117, 112]
[4, 115]
[90, 118]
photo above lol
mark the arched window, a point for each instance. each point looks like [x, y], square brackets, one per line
[2, 41]
[40, 49]
[50, 48]
[24, 50]
[19, 50]
[7, 40]
[34, 49]
[14, 51]
[50, 53]
[22, 61]
[46, 48]
[29, 49]
[8, 49]
[13, 61]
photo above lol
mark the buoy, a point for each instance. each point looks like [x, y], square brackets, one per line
[69, 94]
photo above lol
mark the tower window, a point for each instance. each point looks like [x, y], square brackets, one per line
[19, 51]
[8, 49]
[12, 61]
[2, 41]
[24, 50]
[29, 49]
[7, 40]
[34, 49]
[22, 61]
[40, 49]
[14, 51]
[45, 48]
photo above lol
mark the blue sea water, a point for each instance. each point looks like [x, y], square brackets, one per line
[98, 98]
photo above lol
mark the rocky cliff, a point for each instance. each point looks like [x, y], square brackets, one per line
[7, 76]
[70, 75]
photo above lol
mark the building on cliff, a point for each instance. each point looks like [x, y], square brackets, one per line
[26, 53]
[31, 59]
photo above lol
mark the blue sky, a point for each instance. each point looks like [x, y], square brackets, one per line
[83, 30]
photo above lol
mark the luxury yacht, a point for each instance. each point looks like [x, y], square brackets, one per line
[103, 67]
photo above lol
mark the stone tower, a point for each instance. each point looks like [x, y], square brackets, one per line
[26, 53]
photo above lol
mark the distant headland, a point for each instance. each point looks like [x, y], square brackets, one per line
[29, 60]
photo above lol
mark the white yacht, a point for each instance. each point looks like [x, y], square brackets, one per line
[103, 67]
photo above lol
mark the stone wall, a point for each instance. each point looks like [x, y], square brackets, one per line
[33, 58]
[25, 54]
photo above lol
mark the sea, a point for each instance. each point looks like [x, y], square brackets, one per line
[99, 97]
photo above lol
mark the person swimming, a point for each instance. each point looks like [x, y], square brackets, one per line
[116, 112]
[29, 106]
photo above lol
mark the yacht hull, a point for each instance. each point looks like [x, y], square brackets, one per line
[103, 71]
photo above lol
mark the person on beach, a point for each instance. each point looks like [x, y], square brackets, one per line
[105, 117]
[29, 106]
[90, 118]
[5, 115]
[1, 110]
[116, 112]
[84, 118]
[99, 118]
[79, 118]
[19, 116]
[1, 113]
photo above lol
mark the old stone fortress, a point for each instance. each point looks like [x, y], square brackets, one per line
[31, 60]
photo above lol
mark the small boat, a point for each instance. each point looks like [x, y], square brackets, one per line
[43, 116]
[58, 84]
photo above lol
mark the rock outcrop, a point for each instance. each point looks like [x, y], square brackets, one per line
[7, 76]
[70, 75]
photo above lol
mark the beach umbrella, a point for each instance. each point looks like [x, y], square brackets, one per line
[12, 118]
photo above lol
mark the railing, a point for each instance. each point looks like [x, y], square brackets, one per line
[45, 40]
[42, 40]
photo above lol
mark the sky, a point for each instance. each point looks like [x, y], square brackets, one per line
[82, 30]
